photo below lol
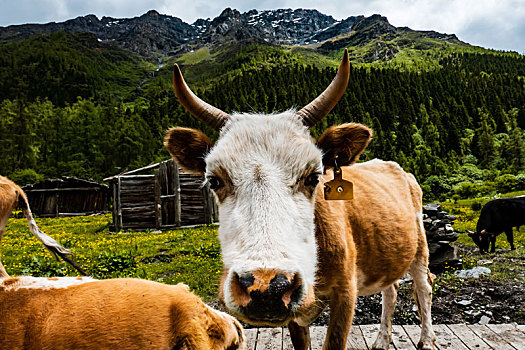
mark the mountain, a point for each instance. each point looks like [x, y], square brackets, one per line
[157, 34]
[91, 97]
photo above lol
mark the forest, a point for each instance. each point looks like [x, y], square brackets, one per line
[89, 111]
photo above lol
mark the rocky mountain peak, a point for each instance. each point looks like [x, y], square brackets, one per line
[158, 34]
[152, 13]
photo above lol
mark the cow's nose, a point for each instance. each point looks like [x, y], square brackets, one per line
[267, 294]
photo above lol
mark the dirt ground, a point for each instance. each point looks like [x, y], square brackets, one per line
[455, 300]
[460, 300]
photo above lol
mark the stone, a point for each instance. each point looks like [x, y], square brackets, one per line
[432, 209]
[474, 272]
[484, 320]
[484, 262]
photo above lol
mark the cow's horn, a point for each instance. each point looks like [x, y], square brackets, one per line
[323, 104]
[203, 111]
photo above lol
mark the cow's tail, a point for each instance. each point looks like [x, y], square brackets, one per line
[53, 246]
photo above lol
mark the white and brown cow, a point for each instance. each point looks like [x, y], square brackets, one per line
[287, 252]
[82, 313]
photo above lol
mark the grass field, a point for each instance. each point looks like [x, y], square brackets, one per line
[191, 256]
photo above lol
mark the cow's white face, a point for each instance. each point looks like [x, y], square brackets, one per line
[264, 170]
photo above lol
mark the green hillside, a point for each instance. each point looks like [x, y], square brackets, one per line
[450, 113]
[63, 66]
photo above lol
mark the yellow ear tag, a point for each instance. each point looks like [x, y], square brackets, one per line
[338, 189]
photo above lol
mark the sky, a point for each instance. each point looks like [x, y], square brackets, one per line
[495, 24]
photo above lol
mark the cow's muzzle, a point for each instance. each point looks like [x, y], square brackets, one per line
[266, 296]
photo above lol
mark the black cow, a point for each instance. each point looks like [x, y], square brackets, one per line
[497, 216]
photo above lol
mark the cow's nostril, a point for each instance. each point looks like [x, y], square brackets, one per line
[278, 285]
[246, 280]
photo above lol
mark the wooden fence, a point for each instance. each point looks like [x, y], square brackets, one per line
[163, 199]
[67, 197]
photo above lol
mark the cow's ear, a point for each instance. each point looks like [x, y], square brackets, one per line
[346, 142]
[188, 147]
[483, 232]
[470, 233]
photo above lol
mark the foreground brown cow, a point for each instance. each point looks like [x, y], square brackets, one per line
[287, 252]
[82, 313]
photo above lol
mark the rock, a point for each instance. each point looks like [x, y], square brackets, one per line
[451, 217]
[447, 237]
[464, 302]
[484, 262]
[449, 228]
[433, 247]
[432, 209]
[484, 320]
[474, 272]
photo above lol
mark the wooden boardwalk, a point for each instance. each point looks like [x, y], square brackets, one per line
[449, 337]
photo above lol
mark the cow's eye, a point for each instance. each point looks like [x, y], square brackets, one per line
[312, 179]
[215, 182]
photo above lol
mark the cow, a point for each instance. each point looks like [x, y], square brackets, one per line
[497, 216]
[287, 252]
[126, 313]
[12, 195]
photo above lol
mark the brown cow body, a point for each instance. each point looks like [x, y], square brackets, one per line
[287, 252]
[81, 313]
[363, 252]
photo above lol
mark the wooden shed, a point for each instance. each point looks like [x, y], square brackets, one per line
[160, 196]
[68, 196]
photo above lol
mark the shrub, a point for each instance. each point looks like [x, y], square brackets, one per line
[520, 181]
[476, 206]
[435, 187]
[466, 189]
[471, 172]
[506, 182]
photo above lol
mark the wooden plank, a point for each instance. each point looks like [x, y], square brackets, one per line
[270, 338]
[468, 337]
[317, 336]
[176, 188]
[119, 211]
[62, 189]
[369, 333]
[147, 167]
[445, 338]
[135, 177]
[114, 210]
[355, 339]
[491, 338]
[511, 334]
[400, 339]
[251, 338]
[207, 205]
